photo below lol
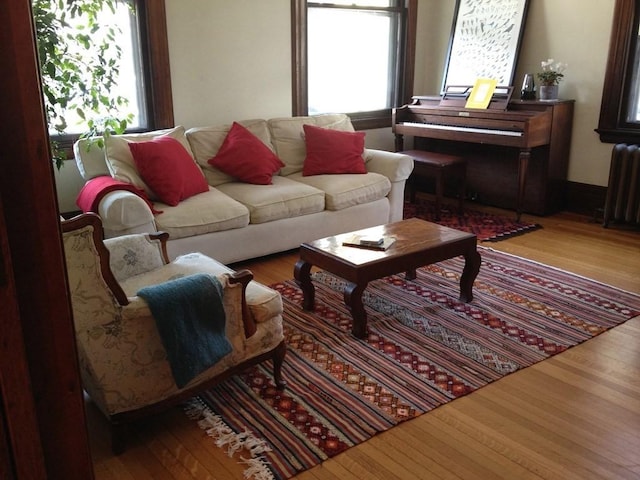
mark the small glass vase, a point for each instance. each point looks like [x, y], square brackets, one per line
[548, 93]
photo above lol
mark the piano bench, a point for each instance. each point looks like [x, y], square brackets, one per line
[437, 165]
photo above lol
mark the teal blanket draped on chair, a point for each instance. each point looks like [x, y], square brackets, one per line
[191, 321]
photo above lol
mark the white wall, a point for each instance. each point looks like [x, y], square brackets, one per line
[231, 60]
[576, 32]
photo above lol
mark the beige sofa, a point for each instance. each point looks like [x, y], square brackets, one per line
[234, 220]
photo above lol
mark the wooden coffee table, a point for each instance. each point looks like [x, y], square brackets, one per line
[417, 243]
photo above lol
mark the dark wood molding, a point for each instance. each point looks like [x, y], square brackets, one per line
[612, 126]
[155, 42]
[409, 62]
[300, 95]
[33, 247]
[20, 447]
[585, 199]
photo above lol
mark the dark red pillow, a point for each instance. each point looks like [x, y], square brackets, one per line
[332, 151]
[245, 157]
[168, 169]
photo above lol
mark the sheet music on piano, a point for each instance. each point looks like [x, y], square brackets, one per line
[456, 96]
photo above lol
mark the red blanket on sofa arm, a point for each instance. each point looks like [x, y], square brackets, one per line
[96, 188]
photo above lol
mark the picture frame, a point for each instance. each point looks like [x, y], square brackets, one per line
[485, 41]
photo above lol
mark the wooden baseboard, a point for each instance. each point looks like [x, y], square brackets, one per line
[581, 198]
[585, 199]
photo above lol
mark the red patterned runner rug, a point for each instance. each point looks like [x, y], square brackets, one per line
[423, 348]
[486, 226]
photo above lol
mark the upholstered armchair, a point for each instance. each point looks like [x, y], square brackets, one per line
[125, 367]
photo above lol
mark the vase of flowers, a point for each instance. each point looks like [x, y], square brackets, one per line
[550, 77]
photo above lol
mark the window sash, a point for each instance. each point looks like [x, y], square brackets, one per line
[131, 68]
[154, 47]
[336, 75]
[632, 114]
[622, 81]
[406, 57]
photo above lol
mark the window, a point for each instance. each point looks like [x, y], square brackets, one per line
[120, 23]
[353, 57]
[144, 73]
[620, 108]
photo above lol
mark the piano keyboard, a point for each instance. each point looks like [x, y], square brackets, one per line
[488, 131]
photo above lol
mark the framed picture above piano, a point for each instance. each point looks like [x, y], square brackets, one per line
[485, 41]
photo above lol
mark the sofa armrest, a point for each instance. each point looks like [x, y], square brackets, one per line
[125, 213]
[396, 166]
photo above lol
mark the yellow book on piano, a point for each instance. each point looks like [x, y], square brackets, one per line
[481, 93]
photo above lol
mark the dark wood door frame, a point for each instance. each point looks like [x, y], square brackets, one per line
[46, 434]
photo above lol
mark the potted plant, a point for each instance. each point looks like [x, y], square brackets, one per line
[550, 77]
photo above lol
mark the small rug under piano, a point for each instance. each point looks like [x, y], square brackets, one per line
[486, 226]
[423, 348]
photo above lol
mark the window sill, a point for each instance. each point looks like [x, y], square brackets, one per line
[619, 135]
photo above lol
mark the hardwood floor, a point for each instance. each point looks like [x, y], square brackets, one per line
[575, 416]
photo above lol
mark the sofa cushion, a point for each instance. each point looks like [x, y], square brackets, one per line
[120, 160]
[285, 198]
[205, 143]
[332, 151]
[245, 157]
[168, 169]
[264, 303]
[90, 159]
[207, 212]
[347, 190]
[287, 136]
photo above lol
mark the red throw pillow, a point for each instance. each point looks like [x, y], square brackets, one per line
[245, 157]
[166, 166]
[332, 151]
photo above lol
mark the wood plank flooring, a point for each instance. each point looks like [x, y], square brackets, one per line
[575, 416]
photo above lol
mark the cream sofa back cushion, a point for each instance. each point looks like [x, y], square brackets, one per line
[287, 136]
[90, 158]
[121, 163]
[206, 141]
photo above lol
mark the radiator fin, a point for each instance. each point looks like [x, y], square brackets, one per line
[623, 192]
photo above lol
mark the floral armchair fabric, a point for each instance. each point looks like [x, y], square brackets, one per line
[123, 363]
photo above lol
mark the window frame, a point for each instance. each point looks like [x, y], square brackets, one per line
[613, 126]
[154, 45]
[299, 67]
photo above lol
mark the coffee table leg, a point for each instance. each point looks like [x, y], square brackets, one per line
[470, 271]
[302, 274]
[353, 300]
[410, 274]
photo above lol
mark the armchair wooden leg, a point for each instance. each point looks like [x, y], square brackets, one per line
[278, 359]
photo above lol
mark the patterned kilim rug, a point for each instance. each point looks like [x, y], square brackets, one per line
[486, 226]
[423, 349]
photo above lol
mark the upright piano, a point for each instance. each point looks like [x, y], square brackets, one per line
[517, 155]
